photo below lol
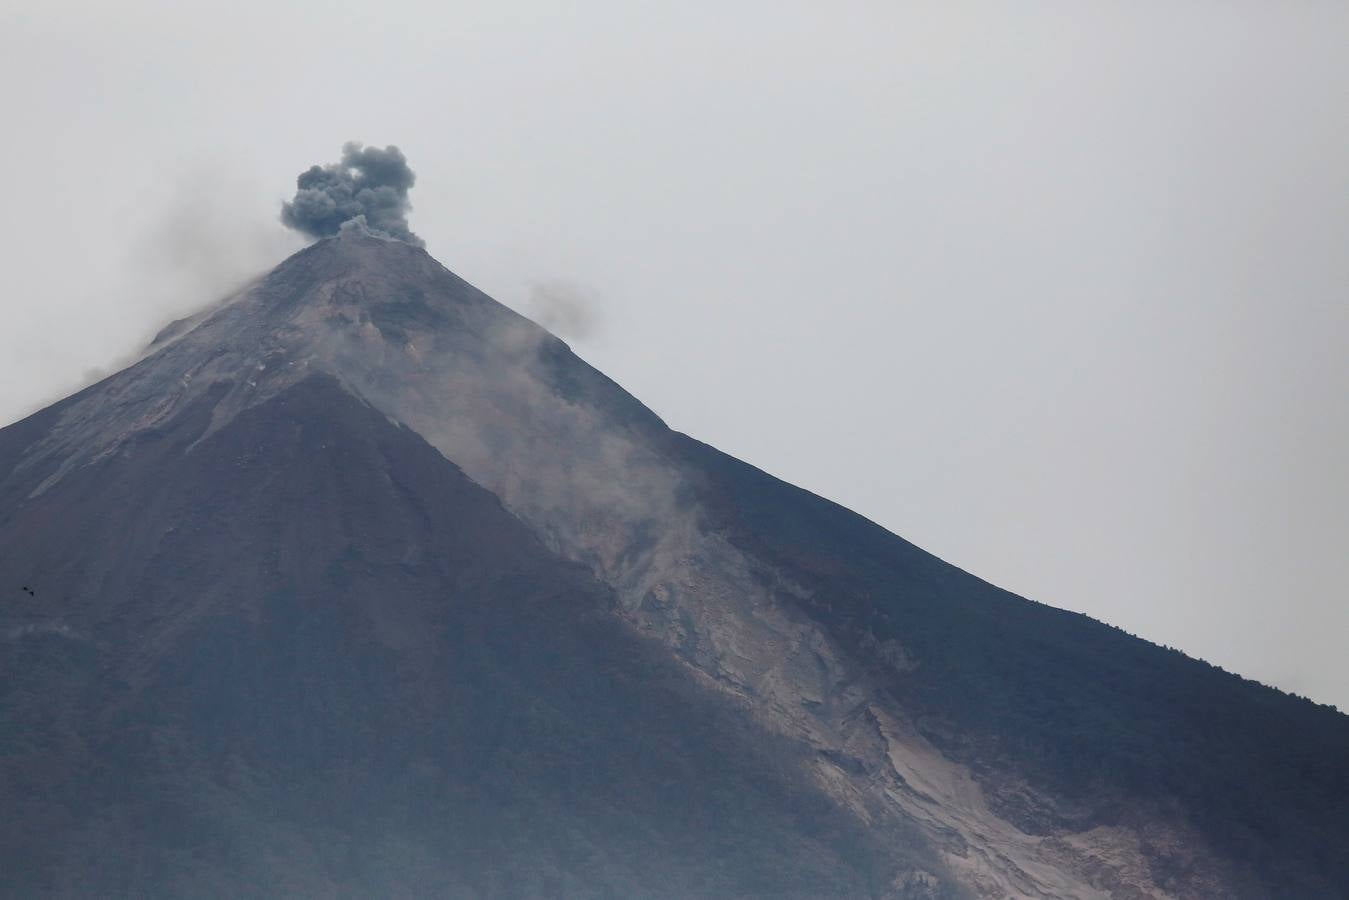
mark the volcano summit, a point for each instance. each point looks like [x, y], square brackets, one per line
[359, 584]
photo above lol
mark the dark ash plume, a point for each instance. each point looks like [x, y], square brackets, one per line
[368, 188]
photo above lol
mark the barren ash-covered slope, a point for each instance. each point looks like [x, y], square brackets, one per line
[359, 584]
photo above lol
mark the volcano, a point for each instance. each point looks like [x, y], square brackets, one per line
[358, 584]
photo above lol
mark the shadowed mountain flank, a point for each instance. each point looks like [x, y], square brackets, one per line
[359, 584]
[308, 657]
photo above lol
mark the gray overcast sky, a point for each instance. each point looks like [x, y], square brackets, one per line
[1056, 290]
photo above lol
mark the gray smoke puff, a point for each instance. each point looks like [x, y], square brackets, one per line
[368, 188]
[565, 308]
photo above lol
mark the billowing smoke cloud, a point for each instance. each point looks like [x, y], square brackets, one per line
[368, 190]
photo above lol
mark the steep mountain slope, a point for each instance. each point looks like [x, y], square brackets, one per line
[309, 658]
[1070, 724]
[571, 653]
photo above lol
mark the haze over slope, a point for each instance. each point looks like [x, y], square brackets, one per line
[360, 582]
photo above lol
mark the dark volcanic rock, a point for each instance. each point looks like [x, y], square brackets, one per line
[308, 657]
[359, 584]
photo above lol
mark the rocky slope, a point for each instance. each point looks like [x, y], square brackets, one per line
[572, 653]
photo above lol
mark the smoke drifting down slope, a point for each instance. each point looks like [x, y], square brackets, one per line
[367, 190]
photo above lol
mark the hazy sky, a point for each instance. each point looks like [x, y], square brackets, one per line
[1059, 291]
